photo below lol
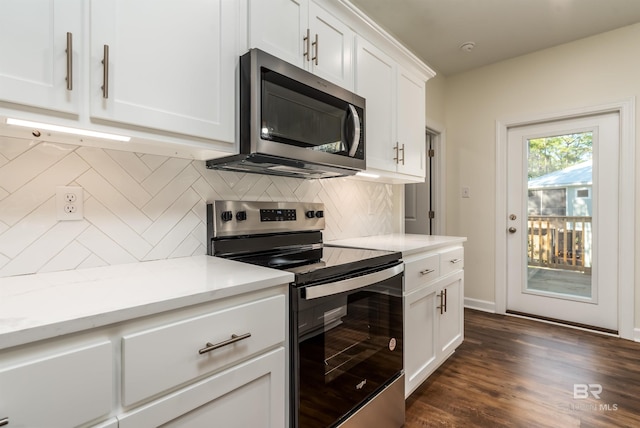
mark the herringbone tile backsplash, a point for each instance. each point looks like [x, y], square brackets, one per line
[140, 207]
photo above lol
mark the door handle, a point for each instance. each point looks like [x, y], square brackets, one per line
[512, 229]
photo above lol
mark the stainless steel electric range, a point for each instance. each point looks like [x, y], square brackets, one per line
[346, 322]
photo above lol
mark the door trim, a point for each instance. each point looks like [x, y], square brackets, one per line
[626, 269]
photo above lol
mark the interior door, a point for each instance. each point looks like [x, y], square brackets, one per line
[419, 207]
[562, 234]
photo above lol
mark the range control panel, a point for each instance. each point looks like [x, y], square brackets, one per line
[233, 218]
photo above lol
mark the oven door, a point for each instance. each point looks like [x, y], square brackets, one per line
[347, 344]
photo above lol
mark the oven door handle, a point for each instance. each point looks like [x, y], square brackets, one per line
[324, 290]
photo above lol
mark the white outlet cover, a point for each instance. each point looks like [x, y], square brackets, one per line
[66, 210]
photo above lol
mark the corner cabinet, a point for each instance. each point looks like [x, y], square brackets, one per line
[303, 33]
[395, 122]
[165, 65]
[433, 312]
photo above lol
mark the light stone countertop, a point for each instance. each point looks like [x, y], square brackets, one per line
[41, 306]
[407, 244]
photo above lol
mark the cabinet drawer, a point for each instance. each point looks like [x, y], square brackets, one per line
[451, 260]
[420, 271]
[250, 394]
[66, 389]
[159, 359]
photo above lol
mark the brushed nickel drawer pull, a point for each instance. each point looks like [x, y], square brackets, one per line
[427, 271]
[453, 261]
[445, 299]
[4, 421]
[234, 338]
[105, 72]
[69, 78]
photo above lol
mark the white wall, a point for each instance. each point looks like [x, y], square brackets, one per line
[589, 72]
[141, 207]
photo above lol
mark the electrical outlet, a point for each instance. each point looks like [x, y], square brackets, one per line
[465, 192]
[69, 203]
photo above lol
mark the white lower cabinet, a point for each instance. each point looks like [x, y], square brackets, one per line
[220, 363]
[433, 312]
[59, 386]
[251, 394]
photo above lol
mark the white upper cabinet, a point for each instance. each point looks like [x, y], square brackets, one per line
[395, 119]
[168, 66]
[41, 48]
[375, 81]
[302, 33]
[277, 27]
[411, 123]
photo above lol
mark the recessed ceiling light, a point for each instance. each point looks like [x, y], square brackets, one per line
[467, 46]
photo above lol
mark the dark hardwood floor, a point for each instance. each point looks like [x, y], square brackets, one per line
[512, 372]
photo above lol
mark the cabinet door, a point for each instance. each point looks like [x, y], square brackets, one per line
[62, 390]
[278, 27]
[420, 336]
[252, 394]
[451, 322]
[33, 57]
[171, 65]
[333, 47]
[411, 123]
[375, 81]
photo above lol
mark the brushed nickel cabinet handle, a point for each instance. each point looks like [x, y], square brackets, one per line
[105, 72]
[4, 421]
[306, 40]
[441, 307]
[397, 149]
[445, 299]
[69, 77]
[427, 271]
[402, 150]
[454, 261]
[315, 43]
[234, 338]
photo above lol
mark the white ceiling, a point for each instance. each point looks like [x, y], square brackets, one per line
[435, 29]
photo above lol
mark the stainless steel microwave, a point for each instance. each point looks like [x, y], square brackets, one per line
[293, 123]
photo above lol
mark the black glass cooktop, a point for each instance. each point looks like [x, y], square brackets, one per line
[322, 263]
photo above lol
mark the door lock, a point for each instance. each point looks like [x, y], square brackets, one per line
[512, 217]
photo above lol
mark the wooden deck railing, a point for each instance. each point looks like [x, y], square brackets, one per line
[560, 242]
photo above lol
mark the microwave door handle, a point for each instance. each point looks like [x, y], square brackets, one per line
[355, 140]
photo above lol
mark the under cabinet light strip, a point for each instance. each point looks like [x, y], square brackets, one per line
[75, 131]
[367, 174]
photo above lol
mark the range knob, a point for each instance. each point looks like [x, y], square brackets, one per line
[241, 215]
[310, 214]
[319, 214]
[226, 216]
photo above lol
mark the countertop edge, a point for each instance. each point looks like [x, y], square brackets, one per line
[50, 330]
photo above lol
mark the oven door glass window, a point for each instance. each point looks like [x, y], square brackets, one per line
[350, 346]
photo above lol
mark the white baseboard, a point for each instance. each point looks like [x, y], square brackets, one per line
[482, 305]
[636, 334]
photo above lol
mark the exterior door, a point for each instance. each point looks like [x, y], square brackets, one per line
[562, 233]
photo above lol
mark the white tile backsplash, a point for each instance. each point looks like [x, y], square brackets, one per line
[141, 207]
